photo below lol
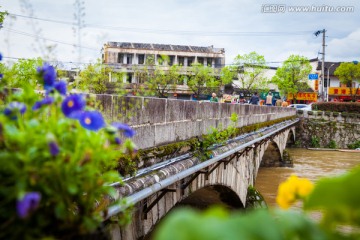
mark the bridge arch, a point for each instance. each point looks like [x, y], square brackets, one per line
[212, 195]
[291, 137]
[272, 155]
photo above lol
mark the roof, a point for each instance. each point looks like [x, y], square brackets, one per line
[166, 47]
[327, 66]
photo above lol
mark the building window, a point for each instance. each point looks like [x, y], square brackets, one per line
[129, 77]
[218, 62]
[200, 60]
[141, 58]
[181, 61]
[128, 58]
[190, 61]
[171, 60]
[150, 59]
[209, 62]
[120, 58]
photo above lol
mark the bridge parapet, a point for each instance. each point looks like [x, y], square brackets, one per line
[162, 121]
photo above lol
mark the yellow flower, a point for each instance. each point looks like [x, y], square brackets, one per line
[292, 189]
[305, 186]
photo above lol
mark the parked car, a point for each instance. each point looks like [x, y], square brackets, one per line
[305, 107]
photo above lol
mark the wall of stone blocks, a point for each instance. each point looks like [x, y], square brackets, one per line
[161, 121]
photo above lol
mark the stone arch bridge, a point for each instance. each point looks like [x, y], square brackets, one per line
[224, 178]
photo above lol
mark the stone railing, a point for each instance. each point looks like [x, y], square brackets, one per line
[161, 121]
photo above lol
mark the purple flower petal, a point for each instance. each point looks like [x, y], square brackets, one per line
[60, 86]
[1, 56]
[48, 73]
[28, 204]
[14, 108]
[92, 120]
[45, 101]
[128, 131]
[72, 104]
[54, 148]
[117, 140]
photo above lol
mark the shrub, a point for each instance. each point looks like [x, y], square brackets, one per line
[57, 158]
[354, 145]
[310, 113]
[351, 107]
[328, 113]
[332, 144]
[315, 142]
[336, 114]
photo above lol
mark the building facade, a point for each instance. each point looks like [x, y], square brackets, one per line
[127, 57]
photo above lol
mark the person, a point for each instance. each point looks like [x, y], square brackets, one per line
[268, 101]
[214, 98]
[284, 104]
[254, 99]
[278, 102]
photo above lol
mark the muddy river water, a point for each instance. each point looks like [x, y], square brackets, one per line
[310, 164]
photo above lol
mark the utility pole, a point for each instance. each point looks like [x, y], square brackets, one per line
[321, 92]
[323, 66]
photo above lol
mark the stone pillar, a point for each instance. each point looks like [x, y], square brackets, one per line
[134, 60]
[124, 58]
[176, 60]
[185, 61]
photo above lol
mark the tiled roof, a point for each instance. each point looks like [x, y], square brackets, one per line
[166, 47]
[327, 65]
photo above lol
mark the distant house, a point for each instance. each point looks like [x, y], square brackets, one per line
[126, 56]
[332, 84]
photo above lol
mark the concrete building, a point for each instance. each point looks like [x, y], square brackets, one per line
[333, 88]
[126, 57]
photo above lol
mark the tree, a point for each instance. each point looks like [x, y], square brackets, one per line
[2, 17]
[159, 79]
[349, 74]
[22, 73]
[292, 76]
[95, 78]
[227, 75]
[250, 70]
[162, 81]
[202, 79]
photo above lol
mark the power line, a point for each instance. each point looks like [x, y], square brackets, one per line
[169, 31]
[47, 39]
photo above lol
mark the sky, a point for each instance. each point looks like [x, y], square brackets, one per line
[269, 27]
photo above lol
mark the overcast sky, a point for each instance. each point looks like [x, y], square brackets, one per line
[239, 26]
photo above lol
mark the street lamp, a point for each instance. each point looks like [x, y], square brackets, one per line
[328, 83]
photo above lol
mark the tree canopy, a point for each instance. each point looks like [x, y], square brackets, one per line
[250, 70]
[95, 78]
[292, 76]
[21, 73]
[202, 79]
[349, 74]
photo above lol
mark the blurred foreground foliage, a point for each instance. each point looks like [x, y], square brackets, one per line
[336, 199]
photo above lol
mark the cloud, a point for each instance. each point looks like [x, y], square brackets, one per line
[196, 16]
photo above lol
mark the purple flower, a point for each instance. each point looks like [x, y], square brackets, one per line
[60, 86]
[72, 105]
[45, 101]
[117, 140]
[14, 108]
[0, 56]
[1, 75]
[92, 120]
[54, 148]
[128, 131]
[48, 73]
[28, 204]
